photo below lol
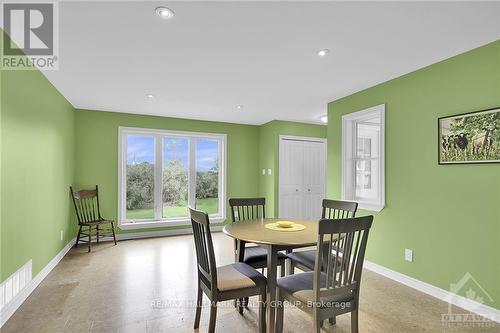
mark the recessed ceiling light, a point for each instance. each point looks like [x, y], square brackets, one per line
[324, 52]
[164, 12]
[150, 96]
[324, 119]
[239, 107]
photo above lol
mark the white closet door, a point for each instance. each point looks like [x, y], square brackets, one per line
[313, 179]
[291, 177]
[302, 178]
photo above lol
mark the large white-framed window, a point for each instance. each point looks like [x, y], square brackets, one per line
[162, 172]
[363, 157]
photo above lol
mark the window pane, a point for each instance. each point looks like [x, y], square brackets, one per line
[367, 140]
[175, 177]
[363, 175]
[207, 176]
[140, 177]
[364, 146]
[366, 163]
[366, 180]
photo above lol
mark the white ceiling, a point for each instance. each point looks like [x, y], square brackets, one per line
[213, 56]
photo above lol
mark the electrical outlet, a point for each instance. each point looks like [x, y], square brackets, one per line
[409, 255]
[268, 172]
[263, 172]
[62, 235]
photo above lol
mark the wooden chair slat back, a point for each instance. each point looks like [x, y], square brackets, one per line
[243, 209]
[341, 250]
[336, 209]
[205, 256]
[86, 204]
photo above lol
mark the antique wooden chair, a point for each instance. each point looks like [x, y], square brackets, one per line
[332, 209]
[234, 281]
[89, 216]
[329, 291]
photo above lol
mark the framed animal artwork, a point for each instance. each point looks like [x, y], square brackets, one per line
[472, 137]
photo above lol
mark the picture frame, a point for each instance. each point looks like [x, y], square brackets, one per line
[469, 138]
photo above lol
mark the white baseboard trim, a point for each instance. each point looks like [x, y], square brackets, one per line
[444, 295]
[11, 307]
[152, 234]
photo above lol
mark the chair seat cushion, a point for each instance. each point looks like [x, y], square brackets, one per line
[239, 276]
[304, 258]
[98, 222]
[254, 254]
[300, 286]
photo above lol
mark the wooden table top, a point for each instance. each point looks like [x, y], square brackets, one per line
[254, 231]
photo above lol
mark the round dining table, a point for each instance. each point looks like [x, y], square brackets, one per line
[255, 231]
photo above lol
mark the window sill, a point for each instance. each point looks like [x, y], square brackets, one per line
[160, 224]
[371, 206]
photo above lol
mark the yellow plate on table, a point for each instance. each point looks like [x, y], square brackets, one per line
[285, 226]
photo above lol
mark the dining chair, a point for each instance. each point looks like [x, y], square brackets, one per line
[329, 292]
[234, 281]
[244, 209]
[331, 209]
[89, 217]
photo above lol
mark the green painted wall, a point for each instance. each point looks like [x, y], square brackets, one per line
[97, 152]
[269, 155]
[37, 147]
[449, 215]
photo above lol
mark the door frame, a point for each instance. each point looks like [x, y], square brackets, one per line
[283, 138]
